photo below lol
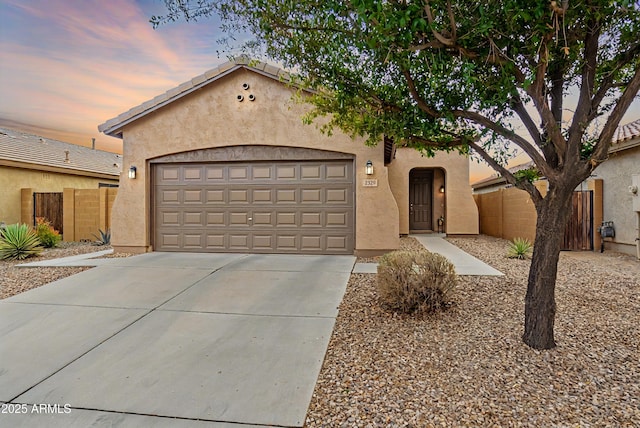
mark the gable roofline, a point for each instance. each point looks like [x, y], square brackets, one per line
[113, 127]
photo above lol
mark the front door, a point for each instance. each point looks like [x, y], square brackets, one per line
[421, 200]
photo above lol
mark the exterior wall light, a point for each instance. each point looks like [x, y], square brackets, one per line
[442, 189]
[132, 172]
[369, 168]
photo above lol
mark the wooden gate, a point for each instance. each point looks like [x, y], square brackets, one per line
[49, 206]
[578, 234]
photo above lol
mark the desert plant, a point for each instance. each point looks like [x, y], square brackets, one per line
[104, 238]
[415, 281]
[18, 241]
[519, 248]
[49, 237]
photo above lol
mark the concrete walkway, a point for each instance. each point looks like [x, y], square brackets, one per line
[80, 260]
[464, 263]
[172, 340]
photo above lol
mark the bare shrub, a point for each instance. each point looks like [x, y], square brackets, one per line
[410, 281]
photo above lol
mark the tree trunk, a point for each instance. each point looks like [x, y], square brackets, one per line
[540, 304]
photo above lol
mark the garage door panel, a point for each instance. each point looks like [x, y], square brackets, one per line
[215, 174]
[284, 206]
[193, 173]
[216, 241]
[238, 172]
[239, 196]
[311, 172]
[262, 196]
[238, 241]
[194, 218]
[215, 196]
[169, 196]
[286, 219]
[193, 196]
[285, 195]
[216, 219]
[263, 219]
[238, 218]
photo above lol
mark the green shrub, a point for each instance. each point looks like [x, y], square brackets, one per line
[520, 248]
[104, 238]
[18, 241]
[49, 237]
[410, 281]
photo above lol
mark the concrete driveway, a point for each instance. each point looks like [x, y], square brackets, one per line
[171, 339]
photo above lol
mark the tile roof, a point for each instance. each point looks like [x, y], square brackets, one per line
[627, 132]
[114, 126]
[18, 146]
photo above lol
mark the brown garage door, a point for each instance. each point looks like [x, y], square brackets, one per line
[257, 207]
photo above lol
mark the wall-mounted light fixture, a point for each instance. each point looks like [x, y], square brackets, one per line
[132, 172]
[369, 168]
[442, 189]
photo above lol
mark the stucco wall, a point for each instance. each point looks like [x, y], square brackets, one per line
[13, 179]
[212, 117]
[456, 204]
[616, 173]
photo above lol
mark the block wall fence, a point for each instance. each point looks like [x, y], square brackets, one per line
[509, 213]
[85, 211]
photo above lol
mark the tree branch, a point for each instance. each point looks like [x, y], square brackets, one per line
[604, 141]
[416, 96]
[579, 122]
[447, 41]
[504, 172]
[529, 149]
[609, 80]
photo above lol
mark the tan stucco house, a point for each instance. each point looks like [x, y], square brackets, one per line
[224, 163]
[30, 163]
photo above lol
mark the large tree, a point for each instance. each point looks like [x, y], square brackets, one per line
[551, 78]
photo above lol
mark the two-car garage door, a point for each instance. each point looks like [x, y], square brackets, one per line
[258, 207]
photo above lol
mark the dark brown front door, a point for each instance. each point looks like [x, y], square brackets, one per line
[420, 200]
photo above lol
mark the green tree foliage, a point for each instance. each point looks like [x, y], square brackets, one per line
[456, 75]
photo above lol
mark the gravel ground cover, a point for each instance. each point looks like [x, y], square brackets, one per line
[468, 366]
[14, 280]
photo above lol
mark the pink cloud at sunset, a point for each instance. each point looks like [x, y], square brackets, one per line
[68, 65]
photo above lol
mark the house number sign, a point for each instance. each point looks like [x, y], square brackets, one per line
[371, 182]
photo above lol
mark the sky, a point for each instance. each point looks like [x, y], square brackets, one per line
[67, 66]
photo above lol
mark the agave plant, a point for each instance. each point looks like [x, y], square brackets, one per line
[520, 248]
[18, 241]
[104, 238]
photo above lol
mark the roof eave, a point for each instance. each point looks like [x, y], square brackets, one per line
[60, 170]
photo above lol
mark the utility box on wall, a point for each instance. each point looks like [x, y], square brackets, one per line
[634, 189]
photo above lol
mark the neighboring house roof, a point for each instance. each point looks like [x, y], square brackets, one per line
[497, 179]
[23, 150]
[113, 127]
[626, 136]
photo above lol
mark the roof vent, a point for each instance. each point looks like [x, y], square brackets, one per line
[42, 140]
[66, 157]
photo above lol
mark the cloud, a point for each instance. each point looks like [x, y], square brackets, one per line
[72, 64]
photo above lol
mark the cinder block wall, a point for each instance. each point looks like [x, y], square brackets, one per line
[86, 211]
[508, 213]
